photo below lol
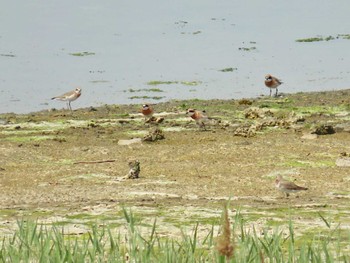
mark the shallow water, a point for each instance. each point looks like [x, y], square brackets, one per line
[135, 42]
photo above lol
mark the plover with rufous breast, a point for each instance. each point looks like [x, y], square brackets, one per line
[199, 116]
[287, 187]
[69, 97]
[272, 83]
[147, 111]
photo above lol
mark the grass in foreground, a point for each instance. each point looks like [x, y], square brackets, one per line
[33, 242]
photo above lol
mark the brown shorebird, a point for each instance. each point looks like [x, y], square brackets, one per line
[69, 96]
[287, 187]
[147, 111]
[272, 83]
[198, 116]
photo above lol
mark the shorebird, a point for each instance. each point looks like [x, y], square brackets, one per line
[272, 83]
[147, 111]
[287, 187]
[198, 116]
[69, 96]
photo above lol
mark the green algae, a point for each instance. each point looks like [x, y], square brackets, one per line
[145, 97]
[228, 69]
[186, 83]
[301, 163]
[29, 138]
[310, 39]
[82, 54]
[323, 38]
[145, 90]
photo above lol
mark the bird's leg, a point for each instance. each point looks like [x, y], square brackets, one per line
[69, 106]
[276, 91]
[270, 92]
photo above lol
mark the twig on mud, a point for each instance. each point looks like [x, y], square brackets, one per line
[101, 161]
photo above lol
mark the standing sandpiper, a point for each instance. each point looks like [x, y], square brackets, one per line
[287, 187]
[69, 96]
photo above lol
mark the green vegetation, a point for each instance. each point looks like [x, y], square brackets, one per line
[159, 82]
[146, 90]
[7, 55]
[300, 163]
[147, 97]
[228, 69]
[237, 241]
[311, 39]
[321, 38]
[344, 36]
[82, 54]
[99, 81]
[30, 138]
[247, 48]
[186, 83]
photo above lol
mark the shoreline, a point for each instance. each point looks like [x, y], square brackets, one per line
[172, 101]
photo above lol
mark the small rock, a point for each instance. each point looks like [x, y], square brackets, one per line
[343, 162]
[131, 141]
[123, 121]
[85, 149]
[154, 135]
[257, 113]
[135, 169]
[159, 119]
[342, 127]
[155, 120]
[309, 136]
[59, 140]
[245, 131]
[3, 122]
[245, 102]
[324, 129]
[92, 125]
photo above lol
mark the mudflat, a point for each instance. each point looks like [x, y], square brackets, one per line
[71, 168]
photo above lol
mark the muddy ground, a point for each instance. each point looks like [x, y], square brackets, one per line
[187, 176]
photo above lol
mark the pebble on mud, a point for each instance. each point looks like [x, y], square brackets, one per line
[343, 162]
[323, 129]
[154, 135]
[131, 141]
[257, 113]
[342, 127]
[309, 136]
[135, 169]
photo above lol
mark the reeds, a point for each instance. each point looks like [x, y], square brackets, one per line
[238, 242]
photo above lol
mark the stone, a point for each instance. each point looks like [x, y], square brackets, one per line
[342, 127]
[343, 162]
[309, 136]
[129, 142]
[324, 129]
